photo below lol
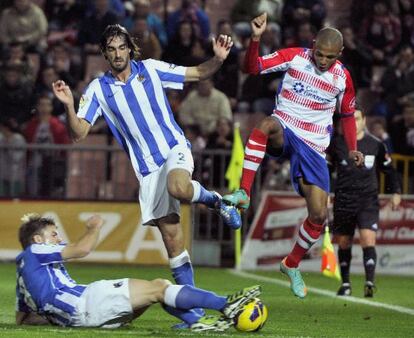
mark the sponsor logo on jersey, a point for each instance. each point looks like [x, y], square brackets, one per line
[83, 100]
[298, 87]
[269, 56]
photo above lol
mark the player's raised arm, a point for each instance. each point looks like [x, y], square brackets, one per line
[258, 25]
[221, 48]
[87, 242]
[79, 128]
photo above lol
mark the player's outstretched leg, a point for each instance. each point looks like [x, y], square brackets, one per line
[297, 284]
[213, 200]
[212, 323]
[239, 199]
[236, 301]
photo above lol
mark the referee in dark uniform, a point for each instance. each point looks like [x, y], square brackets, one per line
[356, 201]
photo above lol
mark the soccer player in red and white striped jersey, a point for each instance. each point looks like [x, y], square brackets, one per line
[314, 86]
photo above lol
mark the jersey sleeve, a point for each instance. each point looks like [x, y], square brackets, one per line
[89, 107]
[346, 99]
[47, 254]
[384, 164]
[21, 305]
[278, 61]
[171, 75]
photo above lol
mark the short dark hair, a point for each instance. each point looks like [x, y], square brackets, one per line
[33, 224]
[111, 31]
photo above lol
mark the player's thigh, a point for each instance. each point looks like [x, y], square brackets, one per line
[271, 126]
[316, 199]
[154, 199]
[143, 293]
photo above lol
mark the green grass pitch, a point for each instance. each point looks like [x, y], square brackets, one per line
[319, 315]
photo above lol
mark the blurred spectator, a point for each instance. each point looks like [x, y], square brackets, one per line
[377, 128]
[220, 139]
[277, 175]
[185, 48]
[205, 106]
[142, 8]
[44, 128]
[398, 80]
[26, 23]
[193, 134]
[64, 18]
[227, 77]
[16, 56]
[43, 86]
[66, 66]
[12, 162]
[381, 32]
[296, 12]
[405, 11]
[357, 58]
[15, 98]
[93, 26]
[115, 6]
[148, 43]
[402, 131]
[304, 35]
[189, 11]
[244, 10]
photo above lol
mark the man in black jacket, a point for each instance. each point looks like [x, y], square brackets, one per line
[356, 201]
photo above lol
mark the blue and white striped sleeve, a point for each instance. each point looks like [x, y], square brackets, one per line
[171, 75]
[89, 107]
[46, 253]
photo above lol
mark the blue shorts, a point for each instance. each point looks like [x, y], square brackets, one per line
[304, 162]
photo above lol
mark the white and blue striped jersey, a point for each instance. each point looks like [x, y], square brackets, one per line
[44, 286]
[138, 112]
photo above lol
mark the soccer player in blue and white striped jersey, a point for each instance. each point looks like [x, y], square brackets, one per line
[46, 294]
[132, 100]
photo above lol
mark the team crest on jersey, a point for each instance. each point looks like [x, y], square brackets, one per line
[83, 100]
[141, 78]
[172, 66]
[308, 67]
[269, 56]
[298, 87]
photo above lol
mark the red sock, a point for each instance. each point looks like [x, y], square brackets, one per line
[308, 235]
[253, 155]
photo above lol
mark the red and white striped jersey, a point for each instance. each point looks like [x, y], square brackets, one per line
[307, 98]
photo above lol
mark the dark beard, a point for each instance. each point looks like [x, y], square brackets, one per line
[120, 68]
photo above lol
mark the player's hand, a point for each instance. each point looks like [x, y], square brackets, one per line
[95, 222]
[357, 157]
[258, 25]
[395, 201]
[222, 46]
[63, 92]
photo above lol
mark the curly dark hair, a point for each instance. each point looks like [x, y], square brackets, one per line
[111, 31]
[33, 224]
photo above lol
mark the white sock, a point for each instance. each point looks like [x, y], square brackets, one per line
[180, 260]
[170, 294]
[197, 191]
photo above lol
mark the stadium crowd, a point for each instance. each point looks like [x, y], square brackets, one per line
[45, 40]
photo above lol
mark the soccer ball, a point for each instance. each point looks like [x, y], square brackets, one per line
[252, 317]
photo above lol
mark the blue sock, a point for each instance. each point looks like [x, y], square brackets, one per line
[187, 316]
[190, 297]
[184, 274]
[181, 268]
[202, 195]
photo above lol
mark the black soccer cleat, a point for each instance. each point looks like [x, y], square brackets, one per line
[369, 289]
[344, 290]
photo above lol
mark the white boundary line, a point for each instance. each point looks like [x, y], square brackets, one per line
[323, 292]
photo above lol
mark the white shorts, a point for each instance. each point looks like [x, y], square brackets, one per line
[154, 199]
[104, 303]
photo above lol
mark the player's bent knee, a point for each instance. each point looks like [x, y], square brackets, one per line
[160, 285]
